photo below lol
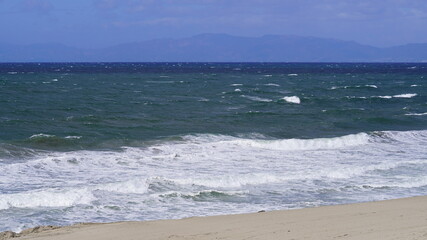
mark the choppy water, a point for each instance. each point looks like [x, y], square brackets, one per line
[111, 142]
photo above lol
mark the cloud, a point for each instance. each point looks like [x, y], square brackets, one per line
[39, 6]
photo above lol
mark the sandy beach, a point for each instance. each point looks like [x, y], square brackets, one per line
[391, 219]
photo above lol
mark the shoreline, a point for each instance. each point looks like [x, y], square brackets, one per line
[404, 218]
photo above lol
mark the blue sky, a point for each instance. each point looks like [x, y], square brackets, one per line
[100, 23]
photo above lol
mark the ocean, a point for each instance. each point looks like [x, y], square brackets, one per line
[104, 142]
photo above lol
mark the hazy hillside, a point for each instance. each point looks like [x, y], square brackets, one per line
[220, 48]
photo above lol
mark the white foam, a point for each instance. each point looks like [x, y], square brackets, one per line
[257, 99]
[268, 75]
[202, 99]
[236, 84]
[272, 84]
[354, 97]
[41, 135]
[46, 198]
[414, 182]
[73, 137]
[278, 172]
[415, 85]
[69, 197]
[292, 99]
[292, 75]
[416, 114]
[309, 144]
[385, 97]
[405, 95]
[137, 185]
[234, 181]
[199, 193]
[356, 86]
[237, 90]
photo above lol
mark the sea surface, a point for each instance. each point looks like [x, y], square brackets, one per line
[103, 142]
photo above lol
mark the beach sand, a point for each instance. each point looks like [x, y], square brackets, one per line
[392, 219]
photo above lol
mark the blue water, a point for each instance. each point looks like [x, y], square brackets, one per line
[105, 142]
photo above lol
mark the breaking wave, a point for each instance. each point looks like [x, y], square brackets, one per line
[292, 99]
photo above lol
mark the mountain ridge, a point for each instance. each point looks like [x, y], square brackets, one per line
[209, 47]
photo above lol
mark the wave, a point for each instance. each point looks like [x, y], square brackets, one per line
[419, 137]
[209, 193]
[242, 181]
[45, 137]
[257, 99]
[308, 144]
[46, 198]
[405, 95]
[212, 164]
[211, 186]
[357, 86]
[69, 197]
[416, 114]
[43, 141]
[235, 181]
[11, 151]
[41, 135]
[415, 182]
[272, 84]
[292, 99]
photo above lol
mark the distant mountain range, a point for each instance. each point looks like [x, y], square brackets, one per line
[220, 48]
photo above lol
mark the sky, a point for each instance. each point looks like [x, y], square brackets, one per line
[101, 23]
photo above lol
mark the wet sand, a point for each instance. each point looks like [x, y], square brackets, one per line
[392, 219]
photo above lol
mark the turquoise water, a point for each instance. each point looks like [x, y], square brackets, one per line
[121, 141]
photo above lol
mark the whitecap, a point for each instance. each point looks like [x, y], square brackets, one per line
[73, 137]
[203, 100]
[308, 144]
[69, 196]
[292, 99]
[292, 74]
[272, 84]
[406, 95]
[385, 97]
[257, 99]
[416, 114]
[237, 90]
[46, 198]
[41, 135]
[354, 97]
